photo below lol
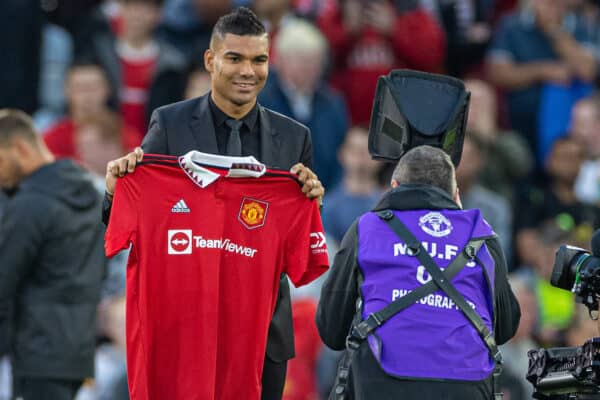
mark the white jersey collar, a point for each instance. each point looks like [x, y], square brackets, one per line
[194, 164]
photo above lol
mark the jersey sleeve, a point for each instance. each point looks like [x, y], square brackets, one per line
[122, 224]
[306, 247]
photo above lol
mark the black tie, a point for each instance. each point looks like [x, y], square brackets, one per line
[234, 144]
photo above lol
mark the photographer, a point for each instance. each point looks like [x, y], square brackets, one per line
[430, 347]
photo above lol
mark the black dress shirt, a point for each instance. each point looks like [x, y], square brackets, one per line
[249, 131]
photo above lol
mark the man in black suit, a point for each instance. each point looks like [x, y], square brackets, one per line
[229, 121]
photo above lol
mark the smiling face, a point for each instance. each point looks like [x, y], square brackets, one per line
[239, 66]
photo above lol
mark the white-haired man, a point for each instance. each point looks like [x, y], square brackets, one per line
[296, 89]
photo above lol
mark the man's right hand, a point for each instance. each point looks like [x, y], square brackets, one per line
[121, 166]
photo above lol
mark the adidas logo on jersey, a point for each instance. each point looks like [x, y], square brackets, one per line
[180, 207]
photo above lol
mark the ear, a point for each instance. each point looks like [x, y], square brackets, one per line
[456, 198]
[394, 184]
[22, 147]
[209, 59]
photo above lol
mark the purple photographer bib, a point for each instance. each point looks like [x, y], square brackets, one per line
[431, 339]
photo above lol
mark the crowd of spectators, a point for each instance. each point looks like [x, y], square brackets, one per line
[90, 72]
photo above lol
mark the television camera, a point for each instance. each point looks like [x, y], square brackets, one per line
[571, 372]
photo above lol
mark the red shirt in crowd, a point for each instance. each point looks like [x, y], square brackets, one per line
[60, 139]
[416, 42]
[208, 247]
[137, 75]
[300, 382]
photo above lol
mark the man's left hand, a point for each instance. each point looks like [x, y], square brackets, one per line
[311, 185]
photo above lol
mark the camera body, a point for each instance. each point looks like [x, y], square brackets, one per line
[566, 372]
[577, 270]
[571, 372]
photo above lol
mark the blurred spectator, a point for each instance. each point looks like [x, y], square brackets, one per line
[516, 362]
[494, 208]
[187, 24]
[317, 365]
[300, 383]
[273, 13]
[110, 380]
[211, 10]
[73, 15]
[582, 327]
[327, 368]
[544, 44]
[51, 247]
[56, 57]
[508, 159]
[554, 114]
[198, 83]
[468, 27]
[311, 9]
[296, 89]
[370, 38]
[97, 141]
[556, 306]
[503, 7]
[20, 44]
[585, 124]
[5, 379]
[87, 93]
[554, 200]
[589, 10]
[585, 127]
[145, 72]
[359, 189]
[3, 201]
[111, 12]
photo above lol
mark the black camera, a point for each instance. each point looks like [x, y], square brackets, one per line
[566, 372]
[577, 270]
[571, 372]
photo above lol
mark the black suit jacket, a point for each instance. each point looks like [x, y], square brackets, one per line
[188, 125]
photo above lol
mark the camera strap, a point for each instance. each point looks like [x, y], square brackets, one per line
[440, 279]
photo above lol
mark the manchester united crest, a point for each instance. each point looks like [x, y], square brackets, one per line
[253, 213]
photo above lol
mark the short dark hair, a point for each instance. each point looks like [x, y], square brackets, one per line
[426, 165]
[241, 21]
[16, 123]
[83, 63]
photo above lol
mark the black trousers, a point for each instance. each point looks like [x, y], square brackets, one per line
[47, 389]
[273, 379]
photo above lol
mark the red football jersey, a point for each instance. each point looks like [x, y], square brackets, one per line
[209, 244]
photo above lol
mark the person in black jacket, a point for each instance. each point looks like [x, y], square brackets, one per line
[237, 61]
[429, 350]
[52, 265]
